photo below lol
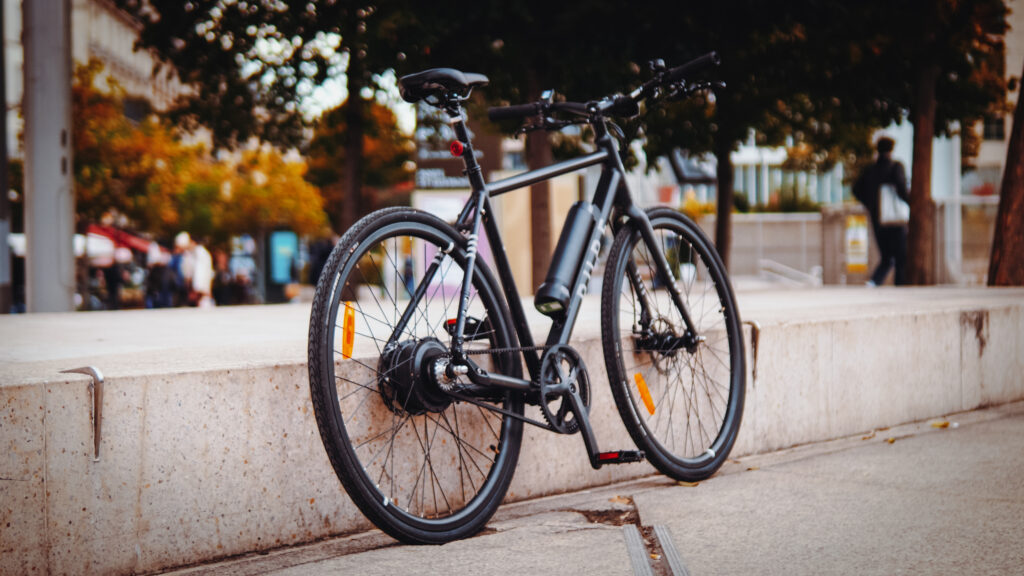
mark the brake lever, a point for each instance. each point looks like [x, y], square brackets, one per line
[681, 90]
[526, 129]
[709, 85]
[617, 131]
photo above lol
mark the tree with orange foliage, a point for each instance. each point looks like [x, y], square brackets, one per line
[265, 190]
[141, 170]
[123, 167]
[387, 158]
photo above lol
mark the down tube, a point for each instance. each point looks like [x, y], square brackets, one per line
[604, 198]
[508, 286]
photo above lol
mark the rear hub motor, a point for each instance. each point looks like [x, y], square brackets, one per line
[406, 377]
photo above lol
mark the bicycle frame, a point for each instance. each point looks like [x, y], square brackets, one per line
[613, 200]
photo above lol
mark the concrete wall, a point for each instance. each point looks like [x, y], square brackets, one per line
[200, 464]
[819, 380]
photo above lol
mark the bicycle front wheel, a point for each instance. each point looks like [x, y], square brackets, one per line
[422, 466]
[681, 401]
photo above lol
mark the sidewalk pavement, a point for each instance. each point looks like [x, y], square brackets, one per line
[941, 496]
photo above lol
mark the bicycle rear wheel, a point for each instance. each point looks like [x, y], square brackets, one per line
[421, 466]
[681, 404]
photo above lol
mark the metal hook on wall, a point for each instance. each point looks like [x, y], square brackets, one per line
[97, 403]
[755, 340]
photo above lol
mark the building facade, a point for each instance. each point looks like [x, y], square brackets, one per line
[98, 30]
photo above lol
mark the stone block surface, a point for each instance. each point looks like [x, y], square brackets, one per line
[207, 454]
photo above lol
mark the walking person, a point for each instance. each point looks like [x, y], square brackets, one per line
[880, 189]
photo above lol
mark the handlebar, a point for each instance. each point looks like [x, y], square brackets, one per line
[517, 111]
[616, 105]
[680, 72]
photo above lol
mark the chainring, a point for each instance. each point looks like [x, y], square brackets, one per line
[562, 372]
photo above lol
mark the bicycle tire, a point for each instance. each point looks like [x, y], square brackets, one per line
[682, 408]
[462, 456]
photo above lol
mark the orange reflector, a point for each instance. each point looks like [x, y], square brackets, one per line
[645, 394]
[348, 331]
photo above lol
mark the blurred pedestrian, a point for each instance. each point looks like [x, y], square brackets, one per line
[201, 278]
[881, 188]
[319, 252]
[182, 266]
[159, 285]
[115, 276]
[222, 292]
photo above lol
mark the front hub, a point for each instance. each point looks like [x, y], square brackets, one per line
[406, 377]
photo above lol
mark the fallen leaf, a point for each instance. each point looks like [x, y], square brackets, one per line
[869, 436]
[890, 440]
[620, 500]
[687, 484]
[941, 424]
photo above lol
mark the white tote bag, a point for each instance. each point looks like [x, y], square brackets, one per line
[892, 210]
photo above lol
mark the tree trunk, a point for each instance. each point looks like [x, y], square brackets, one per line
[921, 244]
[1006, 267]
[723, 220]
[538, 155]
[353, 147]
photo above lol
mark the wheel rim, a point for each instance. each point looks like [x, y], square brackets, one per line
[432, 469]
[681, 396]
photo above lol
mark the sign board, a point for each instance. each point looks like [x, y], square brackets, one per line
[857, 243]
[284, 249]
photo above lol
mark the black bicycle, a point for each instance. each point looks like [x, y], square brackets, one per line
[416, 350]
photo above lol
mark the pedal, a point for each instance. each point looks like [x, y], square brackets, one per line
[621, 457]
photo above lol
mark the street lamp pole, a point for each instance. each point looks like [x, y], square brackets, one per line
[49, 200]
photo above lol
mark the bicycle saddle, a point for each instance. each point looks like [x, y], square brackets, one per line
[437, 81]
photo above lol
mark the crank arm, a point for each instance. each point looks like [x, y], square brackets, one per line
[493, 408]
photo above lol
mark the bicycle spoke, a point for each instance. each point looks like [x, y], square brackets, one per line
[430, 462]
[689, 387]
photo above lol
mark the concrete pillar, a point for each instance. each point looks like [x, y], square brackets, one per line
[765, 187]
[751, 182]
[49, 204]
[5, 204]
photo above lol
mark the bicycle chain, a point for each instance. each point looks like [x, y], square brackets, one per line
[506, 350]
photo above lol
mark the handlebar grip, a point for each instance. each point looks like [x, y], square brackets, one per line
[516, 111]
[677, 73]
[578, 108]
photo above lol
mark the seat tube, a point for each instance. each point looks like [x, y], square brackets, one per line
[478, 200]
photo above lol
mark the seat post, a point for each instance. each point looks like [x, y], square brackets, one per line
[473, 170]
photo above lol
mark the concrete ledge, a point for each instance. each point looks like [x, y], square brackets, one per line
[210, 449]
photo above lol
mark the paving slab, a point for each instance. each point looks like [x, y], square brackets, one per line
[562, 542]
[941, 500]
[934, 500]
